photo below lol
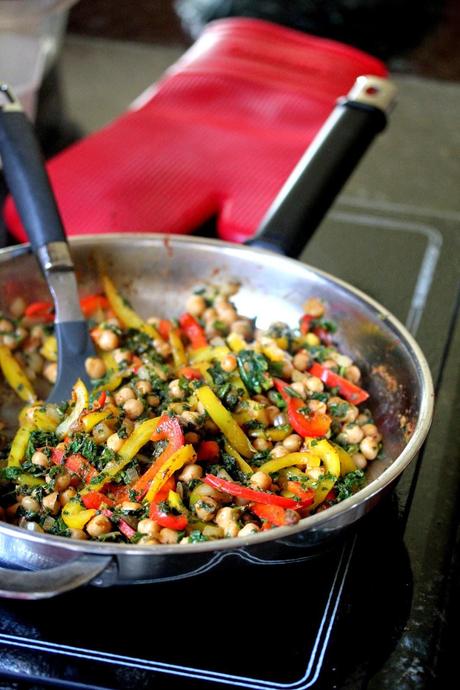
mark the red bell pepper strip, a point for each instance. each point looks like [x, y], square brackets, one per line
[190, 373]
[305, 323]
[95, 499]
[305, 496]
[354, 394]
[235, 489]
[177, 522]
[57, 456]
[123, 526]
[270, 514]
[164, 327]
[40, 310]
[80, 466]
[91, 303]
[208, 450]
[193, 331]
[314, 425]
[168, 429]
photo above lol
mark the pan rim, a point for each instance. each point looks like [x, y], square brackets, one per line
[312, 523]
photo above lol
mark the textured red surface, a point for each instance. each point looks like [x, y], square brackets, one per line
[216, 136]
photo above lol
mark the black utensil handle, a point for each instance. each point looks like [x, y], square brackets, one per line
[27, 179]
[325, 167]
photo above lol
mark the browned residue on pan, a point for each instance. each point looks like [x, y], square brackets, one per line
[390, 381]
[168, 246]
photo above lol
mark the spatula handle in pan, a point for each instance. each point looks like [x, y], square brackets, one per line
[327, 164]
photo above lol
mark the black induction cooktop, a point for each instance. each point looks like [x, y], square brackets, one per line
[376, 608]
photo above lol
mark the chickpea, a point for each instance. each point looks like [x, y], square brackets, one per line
[362, 419]
[128, 425]
[40, 459]
[225, 516]
[6, 326]
[272, 412]
[314, 307]
[148, 540]
[281, 419]
[123, 395]
[50, 371]
[232, 530]
[36, 362]
[51, 503]
[95, 367]
[292, 443]
[359, 460]
[205, 508]
[341, 360]
[249, 528]
[108, 340]
[192, 437]
[67, 496]
[168, 536]
[314, 384]
[261, 443]
[62, 481]
[317, 406]
[149, 527]
[162, 347]
[144, 387]
[242, 327]
[229, 363]
[121, 356]
[78, 534]
[130, 506]
[278, 451]
[98, 525]
[260, 480]
[153, 400]
[133, 408]
[353, 374]
[37, 332]
[299, 387]
[372, 431]
[227, 315]
[175, 390]
[101, 432]
[315, 473]
[17, 307]
[369, 447]
[351, 434]
[30, 525]
[301, 360]
[30, 504]
[191, 472]
[195, 305]
[189, 418]
[209, 315]
[114, 442]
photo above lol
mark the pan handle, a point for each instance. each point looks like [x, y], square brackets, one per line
[327, 164]
[42, 584]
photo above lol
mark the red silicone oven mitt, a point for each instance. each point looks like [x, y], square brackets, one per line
[217, 136]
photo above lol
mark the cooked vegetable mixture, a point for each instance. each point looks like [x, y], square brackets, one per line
[194, 429]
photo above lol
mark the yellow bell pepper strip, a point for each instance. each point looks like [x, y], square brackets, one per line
[326, 452]
[35, 417]
[346, 461]
[112, 384]
[278, 433]
[323, 488]
[18, 447]
[347, 389]
[177, 347]
[224, 420]
[75, 516]
[90, 420]
[81, 397]
[49, 349]
[236, 342]
[206, 354]
[167, 429]
[15, 375]
[311, 425]
[175, 502]
[250, 410]
[306, 459]
[125, 313]
[26, 479]
[174, 463]
[241, 462]
[194, 332]
[271, 350]
[235, 489]
[130, 447]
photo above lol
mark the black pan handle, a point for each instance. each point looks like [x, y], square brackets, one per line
[26, 177]
[327, 164]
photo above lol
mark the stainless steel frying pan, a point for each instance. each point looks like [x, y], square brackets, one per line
[157, 272]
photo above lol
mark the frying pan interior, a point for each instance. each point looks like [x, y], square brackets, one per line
[157, 273]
